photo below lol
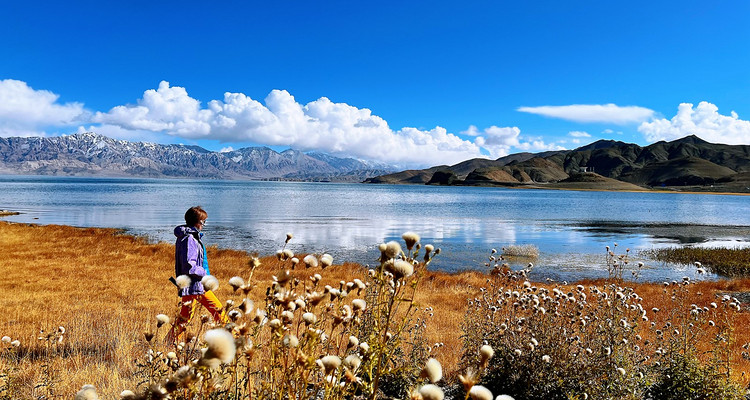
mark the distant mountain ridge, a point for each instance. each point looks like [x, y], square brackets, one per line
[91, 154]
[686, 162]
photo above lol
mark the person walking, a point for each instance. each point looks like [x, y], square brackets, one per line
[190, 266]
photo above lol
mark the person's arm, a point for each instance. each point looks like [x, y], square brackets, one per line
[196, 271]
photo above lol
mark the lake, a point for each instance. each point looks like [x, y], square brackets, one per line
[570, 228]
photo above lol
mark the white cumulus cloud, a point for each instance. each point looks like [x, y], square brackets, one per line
[25, 111]
[579, 134]
[588, 113]
[499, 141]
[703, 121]
[337, 128]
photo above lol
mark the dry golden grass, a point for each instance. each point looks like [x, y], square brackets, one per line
[105, 288]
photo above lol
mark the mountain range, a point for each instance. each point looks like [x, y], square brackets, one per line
[689, 163]
[90, 154]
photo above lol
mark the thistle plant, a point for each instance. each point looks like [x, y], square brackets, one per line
[597, 341]
[305, 339]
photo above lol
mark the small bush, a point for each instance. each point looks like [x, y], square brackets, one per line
[521, 250]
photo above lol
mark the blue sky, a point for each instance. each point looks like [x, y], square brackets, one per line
[410, 83]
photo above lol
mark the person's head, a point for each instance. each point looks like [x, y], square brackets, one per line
[196, 217]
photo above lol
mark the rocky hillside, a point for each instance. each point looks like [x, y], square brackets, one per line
[89, 154]
[687, 163]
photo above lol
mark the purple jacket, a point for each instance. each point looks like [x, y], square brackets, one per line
[188, 258]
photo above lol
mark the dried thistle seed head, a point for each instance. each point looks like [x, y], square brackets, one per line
[127, 395]
[359, 304]
[469, 379]
[392, 250]
[326, 260]
[400, 268]
[330, 363]
[431, 392]
[210, 283]
[310, 261]
[382, 247]
[87, 392]
[485, 353]
[353, 341]
[183, 281]
[275, 323]
[410, 238]
[161, 319]
[247, 306]
[289, 237]
[221, 345]
[352, 361]
[236, 282]
[364, 347]
[479, 392]
[290, 341]
[282, 276]
[148, 336]
[309, 318]
[506, 397]
[433, 371]
[6, 339]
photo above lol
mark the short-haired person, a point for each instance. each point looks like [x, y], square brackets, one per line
[190, 260]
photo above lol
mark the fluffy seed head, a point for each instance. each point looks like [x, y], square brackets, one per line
[210, 283]
[621, 371]
[433, 370]
[352, 361]
[6, 339]
[309, 318]
[504, 397]
[326, 260]
[429, 248]
[290, 341]
[486, 352]
[161, 319]
[479, 392]
[127, 395]
[220, 345]
[431, 392]
[359, 304]
[236, 282]
[183, 281]
[15, 343]
[410, 238]
[87, 392]
[289, 237]
[330, 363]
[392, 249]
[401, 268]
[310, 261]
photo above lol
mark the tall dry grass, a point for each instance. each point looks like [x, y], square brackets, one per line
[105, 288]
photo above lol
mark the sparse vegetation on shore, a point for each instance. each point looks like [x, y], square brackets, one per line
[104, 289]
[730, 262]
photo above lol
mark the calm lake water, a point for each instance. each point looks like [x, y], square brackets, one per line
[571, 229]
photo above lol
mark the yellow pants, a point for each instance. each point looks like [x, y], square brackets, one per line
[189, 304]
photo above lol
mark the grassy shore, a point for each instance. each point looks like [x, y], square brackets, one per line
[105, 288]
[724, 261]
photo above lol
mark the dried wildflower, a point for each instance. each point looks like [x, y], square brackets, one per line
[352, 361]
[400, 268]
[183, 281]
[310, 261]
[210, 283]
[330, 363]
[621, 371]
[236, 282]
[392, 250]
[433, 371]
[326, 260]
[290, 341]
[161, 319]
[127, 395]
[504, 397]
[546, 358]
[479, 392]
[87, 392]
[359, 304]
[353, 341]
[6, 339]
[364, 347]
[485, 353]
[289, 237]
[431, 392]
[410, 238]
[220, 345]
[15, 343]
